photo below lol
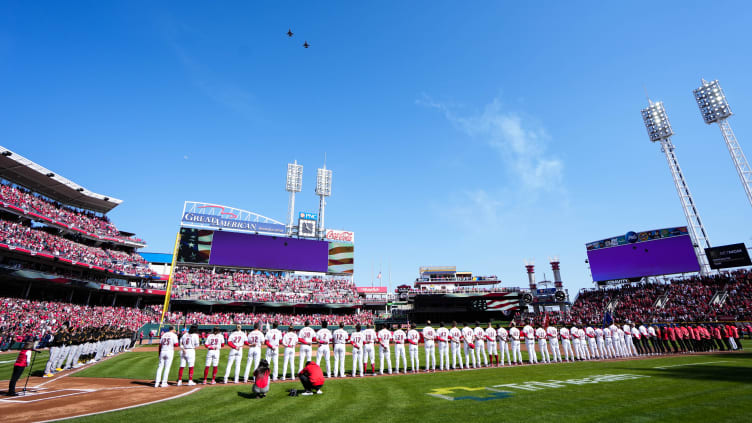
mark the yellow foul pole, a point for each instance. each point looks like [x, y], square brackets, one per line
[169, 282]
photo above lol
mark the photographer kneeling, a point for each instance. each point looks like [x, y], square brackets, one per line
[312, 378]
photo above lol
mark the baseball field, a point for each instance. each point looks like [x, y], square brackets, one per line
[684, 387]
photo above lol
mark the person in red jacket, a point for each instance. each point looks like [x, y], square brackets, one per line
[24, 357]
[312, 378]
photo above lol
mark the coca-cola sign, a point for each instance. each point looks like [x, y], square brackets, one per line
[342, 236]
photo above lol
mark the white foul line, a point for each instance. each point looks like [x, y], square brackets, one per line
[122, 408]
[691, 364]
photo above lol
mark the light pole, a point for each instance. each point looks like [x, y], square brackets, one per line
[659, 129]
[715, 109]
[323, 190]
[293, 185]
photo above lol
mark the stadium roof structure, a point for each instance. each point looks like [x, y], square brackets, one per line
[22, 171]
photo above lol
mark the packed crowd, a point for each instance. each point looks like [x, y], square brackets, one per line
[196, 318]
[686, 300]
[17, 235]
[238, 285]
[26, 320]
[83, 220]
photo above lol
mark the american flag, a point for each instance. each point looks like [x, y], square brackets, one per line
[503, 304]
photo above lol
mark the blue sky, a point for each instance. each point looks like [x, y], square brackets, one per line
[474, 135]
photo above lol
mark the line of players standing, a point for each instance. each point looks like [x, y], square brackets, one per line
[480, 346]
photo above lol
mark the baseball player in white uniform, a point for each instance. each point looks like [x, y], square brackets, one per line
[369, 337]
[480, 344]
[255, 340]
[566, 342]
[399, 337]
[608, 343]
[584, 343]
[455, 336]
[442, 336]
[188, 344]
[631, 349]
[167, 344]
[305, 336]
[356, 340]
[502, 336]
[576, 343]
[493, 353]
[553, 343]
[592, 345]
[323, 338]
[273, 338]
[413, 338]
[541, 335]
[235, 341]
[385, 353]
[514, 333]
[428, 344]
[468, 338]
[340, 338]
[530, 343]
[213, 344]
[599, 341]
[289, 341]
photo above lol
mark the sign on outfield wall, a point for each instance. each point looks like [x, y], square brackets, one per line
[218, 217]
[337, 235]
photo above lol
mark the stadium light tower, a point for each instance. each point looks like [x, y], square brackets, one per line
[323, 190]
[715, 109]
[659, 129]
[294, 184]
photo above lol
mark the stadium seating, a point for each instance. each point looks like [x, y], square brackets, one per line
[237, 285]
[38, 241]
[686, 300]
[85, 221]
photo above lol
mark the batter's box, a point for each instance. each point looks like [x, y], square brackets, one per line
[42, 394]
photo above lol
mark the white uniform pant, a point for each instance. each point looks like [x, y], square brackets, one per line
[212, 358]
[254, 357]
[568, 353]
[480, 352]
[456, 354]
[323, 352]
[504, 350]
[469, 353]
[430, 355]
[289, 360]
[553, 343]
[188, 357]
[414, 358]
[165, 362]
[73, 352]
[399, 351]
[357, 360]
[532, 356]
[516, 352]
[339, 360]
[443, 356]
[385, 353]
[369, 353]
[272, 355]
[577, 350]
[492, 350]
[593, 347]
[610, 351]
[304, 356]
[235, 357]
[543, 347]
[630, 346]
[601, 347]
[732, 341]
[54, 352]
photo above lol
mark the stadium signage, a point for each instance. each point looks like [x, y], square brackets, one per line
[337, 235]
[634, 237]
[309, 216]
[216, 222]
[371, 290]
[619, 281]
[725, 256]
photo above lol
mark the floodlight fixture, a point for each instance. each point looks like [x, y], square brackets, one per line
[714, 108]
[656, 121]
[712, 102]
[659, 129]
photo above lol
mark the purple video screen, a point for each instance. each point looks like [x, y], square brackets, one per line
[269, 252]
[649, 258]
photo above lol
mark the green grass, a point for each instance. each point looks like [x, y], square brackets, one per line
[40, 360]
[720, 390]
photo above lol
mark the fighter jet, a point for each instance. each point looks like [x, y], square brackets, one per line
[289, 32]
[306, 45]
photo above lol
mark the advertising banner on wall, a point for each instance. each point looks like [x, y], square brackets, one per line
[371, 290]
[338, 235]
